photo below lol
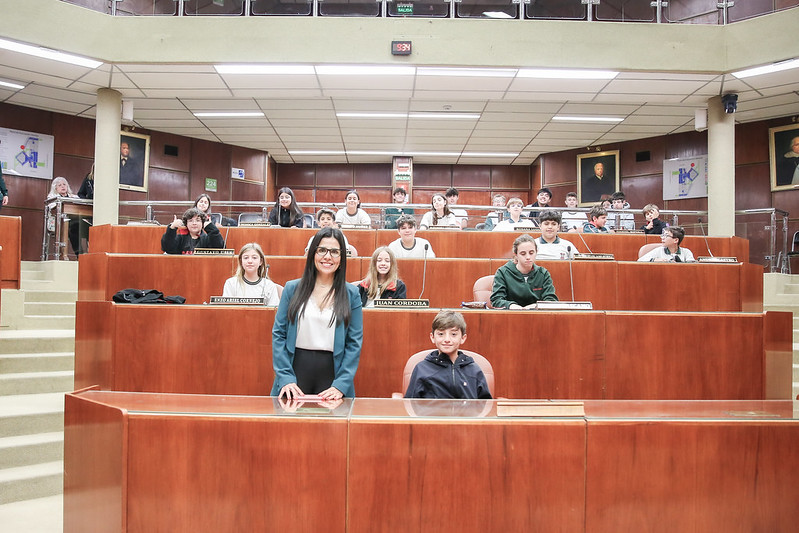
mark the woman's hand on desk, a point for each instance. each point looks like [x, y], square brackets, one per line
[290, 391]
[331, 394]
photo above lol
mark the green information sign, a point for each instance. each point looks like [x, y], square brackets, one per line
[404, 9]
[210, 184]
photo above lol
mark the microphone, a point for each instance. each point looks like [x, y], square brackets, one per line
[699, 219]
[571, 276]
[224, 242]
[580, 234]
[424, 270]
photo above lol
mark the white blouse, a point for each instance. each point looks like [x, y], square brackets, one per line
[314, 331]
[448, 220]
[360, 218]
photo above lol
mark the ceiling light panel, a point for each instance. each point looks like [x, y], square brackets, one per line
[46, 53]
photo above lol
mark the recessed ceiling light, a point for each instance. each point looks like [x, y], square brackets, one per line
[11, 85]
[47, 53]
[489, 154]
[446, 116]
[236, 114]
[587, 119]
[364, 70]
[562, 74]
[767, 69]
[467, 72]
[317, 152]
[265, 69]
[371, 115]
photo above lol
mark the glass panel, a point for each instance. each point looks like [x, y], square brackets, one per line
[400, 8]
[749, 9]
[693, 12]
[103, 6]
[146, 7]
[555, 9]
[625, 11]
[281, 7]
[349, 8]
[213, 7]
[487, 9]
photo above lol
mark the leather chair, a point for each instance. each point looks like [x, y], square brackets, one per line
[481, 292]
[481, 361]
[645, 249]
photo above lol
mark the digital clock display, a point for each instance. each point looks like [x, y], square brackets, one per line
[401, 48]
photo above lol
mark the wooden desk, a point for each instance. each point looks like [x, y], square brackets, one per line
[144, 462]
[586, 354]
[446, 244]
[11, 245]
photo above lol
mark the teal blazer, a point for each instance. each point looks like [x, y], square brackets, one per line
[346, 345]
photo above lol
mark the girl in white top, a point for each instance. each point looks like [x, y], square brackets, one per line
[251, 280]
[515, 206]
[439, 215]
[352, 214]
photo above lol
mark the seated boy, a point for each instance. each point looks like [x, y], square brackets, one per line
[671, 251]
[573, 220]
[598, 217]
[550, 246]
[393, 213]
[653, 226]
[624, 221]
[447, 372]
[409, 246]
[326, 218]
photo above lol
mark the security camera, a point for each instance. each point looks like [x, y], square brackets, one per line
[730, 102]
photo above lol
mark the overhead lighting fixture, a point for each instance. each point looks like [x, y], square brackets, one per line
[265, 69]
[587, 119]
[401, 153]
[11, 85]
[497, 15]
[234, 114]
[364, 70]
[467, 72]
[46, 53]
[489, 154]
[767, 69]
[317, 152]
[444, 115]
[562, 74]
[371, 115]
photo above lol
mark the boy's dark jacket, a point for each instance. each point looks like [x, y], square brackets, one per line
[436, 377]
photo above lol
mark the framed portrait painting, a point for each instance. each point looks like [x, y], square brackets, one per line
[597, 176]
[134, 161]
[783, 144]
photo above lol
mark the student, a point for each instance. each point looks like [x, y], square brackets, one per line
[671, 250]
[543, 198]
[382, 280]
[193, 230]
[452, 196]
[498, 202]
[325, 218]
[573, 220]
[653, 226]
[520, 283]
[393, 213]
[251, 279]
[549, 245]
[514, 218]
[203, 203]
[439, 214]
[623, 221]
[352, 214]
[598, 217]
[447, 372]
[409, 246]
[318, 329]
[286, 213]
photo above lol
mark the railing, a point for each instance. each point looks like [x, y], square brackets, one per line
[766, 229]
[649, 11]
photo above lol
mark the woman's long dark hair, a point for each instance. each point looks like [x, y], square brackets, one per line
[341, 299]
[294, 210]
[197, 201]
[435, 213]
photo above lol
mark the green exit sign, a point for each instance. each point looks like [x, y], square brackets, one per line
[404, 9]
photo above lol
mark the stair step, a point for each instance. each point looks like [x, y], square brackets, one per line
[36, 362]
[25, 450]
[31, 413]
[39, 515]
[39, 322]
[33, 481]
[33, 274]
[37, 382]
[37, 341]
[50, 308]
[51, 296]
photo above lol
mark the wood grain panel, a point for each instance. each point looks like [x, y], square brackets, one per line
[436, 176]
[96, 338]
[300, 174]
[778, 356]
[402, 477]
[236, 474]
[511, 177]
[95, 463]
[685, 356]
[177, 163]
[471, 176]
[373, 175]
[448, 281]
[11, 243]
[252, 161]
[666, 476]
[334, 175]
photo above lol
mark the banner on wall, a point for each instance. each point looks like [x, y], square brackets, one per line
[25, 153]
[685, 178]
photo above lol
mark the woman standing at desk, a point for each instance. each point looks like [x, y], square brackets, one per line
[318, 329]
[60, 187]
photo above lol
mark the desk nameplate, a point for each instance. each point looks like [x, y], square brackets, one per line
[230, 300]
[214, 251]
[568, 306]
[705, 259]
[593, 257]
[388, 302]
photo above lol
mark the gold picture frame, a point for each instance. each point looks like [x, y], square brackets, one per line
[590, 188]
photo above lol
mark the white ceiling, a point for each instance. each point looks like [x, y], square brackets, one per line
[300, 110]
